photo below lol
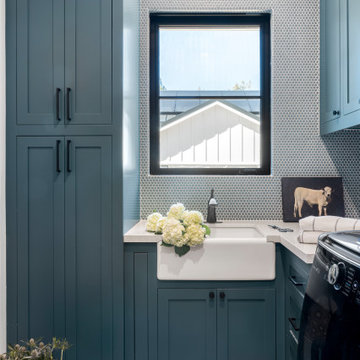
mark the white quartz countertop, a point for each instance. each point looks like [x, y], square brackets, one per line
[306, 252]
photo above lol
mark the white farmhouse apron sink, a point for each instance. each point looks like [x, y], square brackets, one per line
[230, 253]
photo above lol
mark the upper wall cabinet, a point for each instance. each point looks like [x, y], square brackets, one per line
[340, 65]
[351, 69]
[64, 62]
[330, 60]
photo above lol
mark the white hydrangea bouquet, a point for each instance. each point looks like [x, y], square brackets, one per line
[181, 228]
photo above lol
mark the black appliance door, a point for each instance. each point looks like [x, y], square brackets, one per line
[330, 319]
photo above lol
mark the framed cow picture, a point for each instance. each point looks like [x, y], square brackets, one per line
[305, 196]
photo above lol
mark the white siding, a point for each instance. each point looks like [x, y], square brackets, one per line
[216, 135]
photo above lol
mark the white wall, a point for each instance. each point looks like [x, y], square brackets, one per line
[2, 182]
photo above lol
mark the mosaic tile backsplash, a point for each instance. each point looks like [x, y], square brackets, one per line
[297, 148]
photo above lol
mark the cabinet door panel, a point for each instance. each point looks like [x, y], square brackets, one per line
[40, 60]
[352, 65]
[40, 229]
[330, 60]
[186, 325]
[88, 60]
[246, 324]
[88, 243]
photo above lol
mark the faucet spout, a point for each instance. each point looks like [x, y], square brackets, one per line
[211, 213]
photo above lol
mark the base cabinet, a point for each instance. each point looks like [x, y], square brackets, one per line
[186, 324]
[296, 277]
[246, 324]
[197, 320]
[215, 324]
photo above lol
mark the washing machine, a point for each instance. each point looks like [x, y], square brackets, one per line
[330, 319]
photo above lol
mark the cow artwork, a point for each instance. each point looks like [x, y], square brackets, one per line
[320, 198]
[305, 196]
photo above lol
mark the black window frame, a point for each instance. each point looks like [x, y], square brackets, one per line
[180, 19]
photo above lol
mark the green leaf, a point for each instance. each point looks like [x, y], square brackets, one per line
[158, 233]
[182, 250]
[166, 244]
[208, 231]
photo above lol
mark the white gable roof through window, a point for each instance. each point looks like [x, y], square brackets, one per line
[214, 134]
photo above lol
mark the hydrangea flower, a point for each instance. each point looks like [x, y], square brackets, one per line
[195, 234]
[181, 228]
[160, 225]
[173, 232]
[192, 217]
[176, 211]
[152, 221]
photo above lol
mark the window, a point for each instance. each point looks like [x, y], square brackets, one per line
[210, 94]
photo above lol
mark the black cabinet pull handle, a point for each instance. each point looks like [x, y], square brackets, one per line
[222, 295]
[68, 105]
[58, 93]
[58, 156]
[293, 324]
[211, 295]
[68, 157]
[296, 283]
[336, 112]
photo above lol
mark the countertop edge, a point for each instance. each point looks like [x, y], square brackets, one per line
[305, 252]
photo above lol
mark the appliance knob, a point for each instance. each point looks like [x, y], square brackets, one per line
[336, 275]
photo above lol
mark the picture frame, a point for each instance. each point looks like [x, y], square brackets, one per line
[306, 196]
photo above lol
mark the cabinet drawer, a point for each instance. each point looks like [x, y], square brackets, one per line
[297, 273]
[294, 307]
[297, 279]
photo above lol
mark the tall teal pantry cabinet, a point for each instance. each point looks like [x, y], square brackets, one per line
[64, 174]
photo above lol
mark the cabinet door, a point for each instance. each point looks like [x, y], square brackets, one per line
[186, 324]
[246, 324]
[88, 234]
[351, 39]
[88, 61]
[330, 60]
[40, 61]
[40, 234]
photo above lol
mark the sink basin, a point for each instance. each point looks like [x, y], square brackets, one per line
[228, 232]
[230, 253]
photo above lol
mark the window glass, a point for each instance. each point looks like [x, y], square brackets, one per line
[207, 107]
[206, 59]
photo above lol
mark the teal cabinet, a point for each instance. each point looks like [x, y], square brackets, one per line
[65, 242]
[187, 324]
[246, 324]
[330, 60]
[351, 68]
[64, 65]
[39, 61]
[339, 64]
[88, 246]
[194, 320]
[88, 61]
[296, 277]
[216, 324]
[40, 229]
[64, 174]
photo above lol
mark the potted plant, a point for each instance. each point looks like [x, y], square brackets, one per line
[36, 349]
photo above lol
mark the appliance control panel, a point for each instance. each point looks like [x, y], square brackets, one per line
[344, 277]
